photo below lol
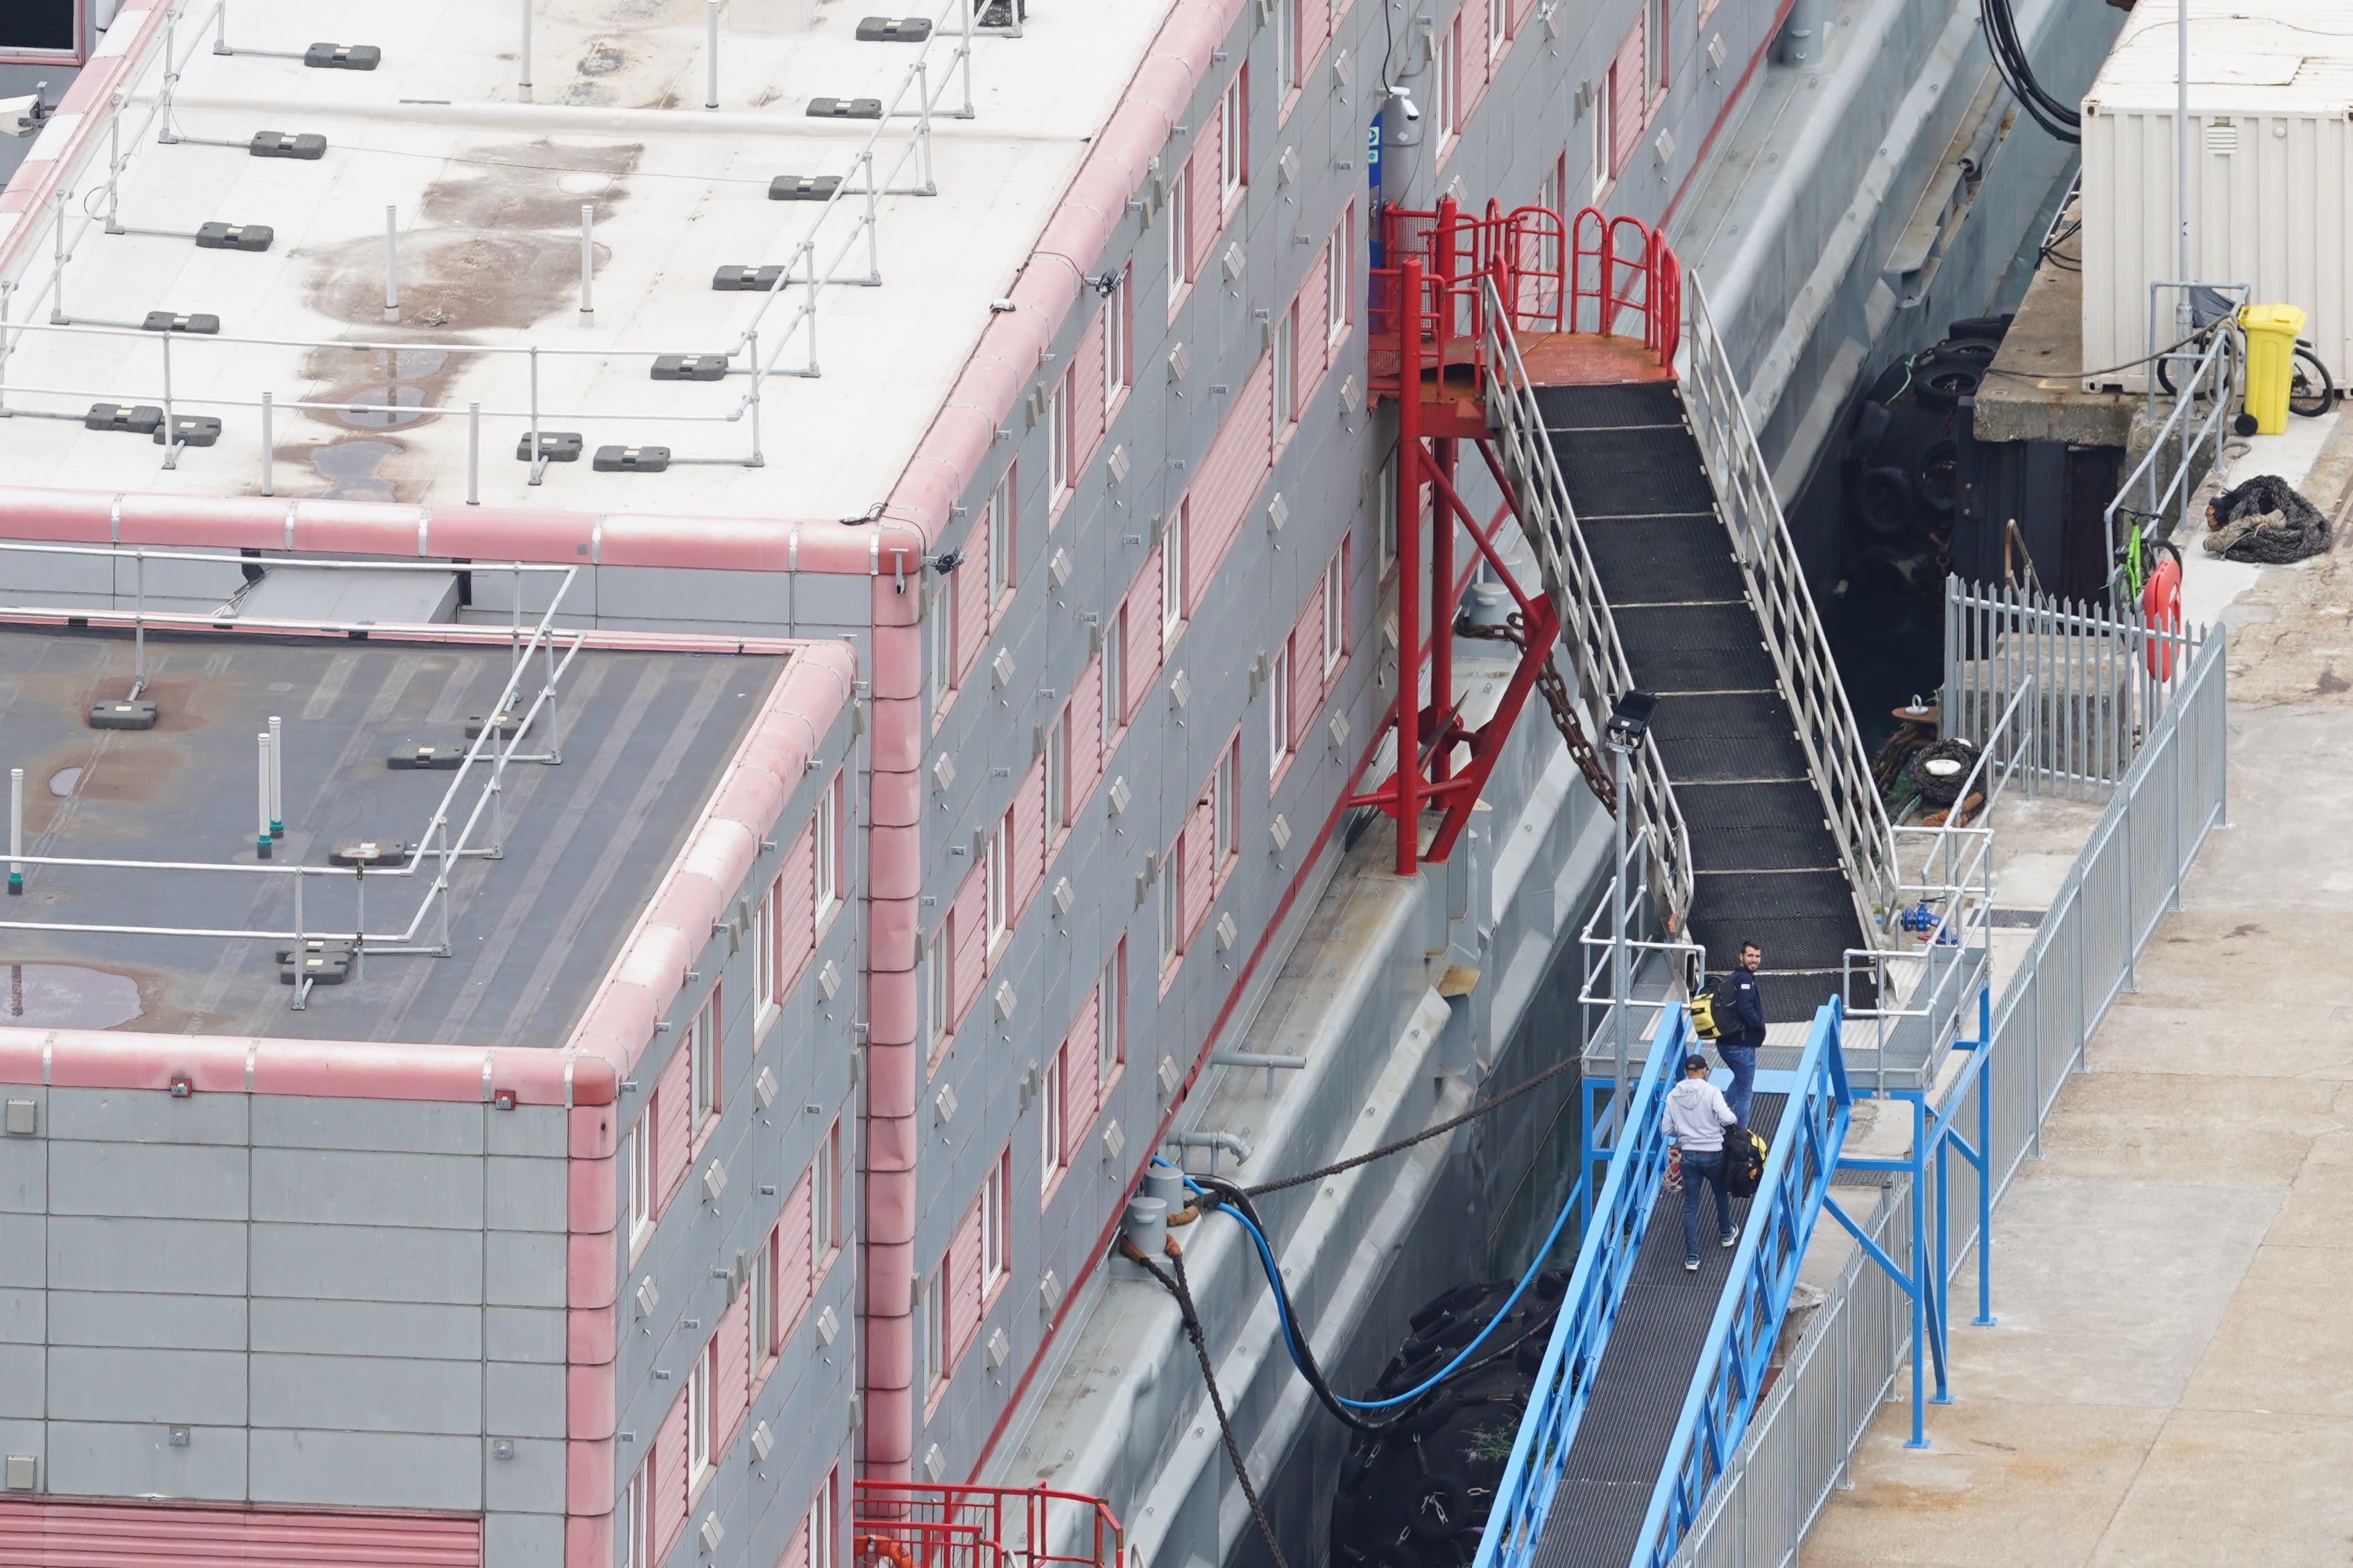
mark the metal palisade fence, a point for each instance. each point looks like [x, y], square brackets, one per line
[2100, 678]
[2127, 877]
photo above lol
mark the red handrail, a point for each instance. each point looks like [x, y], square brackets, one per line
[913, 1525]
[1594, 273]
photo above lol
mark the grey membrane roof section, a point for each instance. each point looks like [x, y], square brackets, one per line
[644, 738]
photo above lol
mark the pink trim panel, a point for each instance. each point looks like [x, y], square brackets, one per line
[477, 533]
[137, 1534]
[947, 464]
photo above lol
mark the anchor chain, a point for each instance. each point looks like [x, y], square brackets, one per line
[1556, 696]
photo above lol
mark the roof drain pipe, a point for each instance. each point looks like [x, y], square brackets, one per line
[1228, 1141]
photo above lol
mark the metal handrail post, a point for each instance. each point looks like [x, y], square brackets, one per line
[752, 403]
[138, 624]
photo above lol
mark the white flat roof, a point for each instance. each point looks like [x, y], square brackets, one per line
[486, 183]
[2251, 57]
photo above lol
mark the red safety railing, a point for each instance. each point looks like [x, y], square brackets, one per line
[1591, 274]
[911, 1524]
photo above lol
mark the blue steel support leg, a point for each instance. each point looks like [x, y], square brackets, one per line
[1585, 1154]
[1941, 1319]
[1919, 1438]
[1984, 1318]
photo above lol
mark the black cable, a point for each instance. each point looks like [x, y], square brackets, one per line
[1386, 1150]
[1302, 1353]
[1216, 1190]
[2060, 120]
[2007, 18]
[1180, 1288]
[2079, 375]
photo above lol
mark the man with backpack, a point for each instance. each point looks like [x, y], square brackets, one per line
[1696, 1117]
[1740, 1014]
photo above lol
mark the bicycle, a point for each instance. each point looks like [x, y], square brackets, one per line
[2312, 391]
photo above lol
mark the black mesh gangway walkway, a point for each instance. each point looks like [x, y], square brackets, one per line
[1639, 1389]
[1765, 865]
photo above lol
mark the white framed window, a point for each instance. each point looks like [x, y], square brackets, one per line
[828, 830]
[1172, 574]
[699, 1417]
[1000, 885]
[935, 1330]
[1286, 398]
[1335, 610]
[935, 985]
[993, 1214]
[1049, 1119]
[1225, 800]
[821, 1521]
[1170, 933]
[1448, 80]
[702, 1064]
[638, 1163]
[1286, 41]
[1499, 23]
[632, 1516]
[1001, 521]
[1111, 1016]
[1336, 276]
[1058, 774]
[763, 1287]
[939, 621]
[1278, 708]
[1602, 111]
[1389, 514]
[1118, 329]
[1180, 254]
[1114, 675]
[761, 938]
[825, 1201]
[1233, 135]
[1058, 453]
[1654, 43]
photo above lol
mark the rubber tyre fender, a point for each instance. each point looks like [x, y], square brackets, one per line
[1943, 384]
[1883, 500]
[1441, 1508]
[1870, 422]
[1939, 484]
[1993, 327]
[1975, 353]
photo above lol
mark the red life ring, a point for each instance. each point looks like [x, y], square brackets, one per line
[2161, 609]
[871, 1550]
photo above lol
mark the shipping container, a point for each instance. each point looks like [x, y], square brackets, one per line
[2271, 186]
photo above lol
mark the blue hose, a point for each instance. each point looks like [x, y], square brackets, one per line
[1291, 1343]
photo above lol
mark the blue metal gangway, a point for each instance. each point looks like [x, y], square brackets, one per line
[1652, 1373]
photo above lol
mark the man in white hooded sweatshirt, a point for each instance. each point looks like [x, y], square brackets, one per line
[1696, 1116]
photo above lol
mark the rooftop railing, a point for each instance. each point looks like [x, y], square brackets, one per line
[461, 826]
[838, 244]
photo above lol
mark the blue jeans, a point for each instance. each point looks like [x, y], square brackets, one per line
[1742, 1061]
[1708, 1167]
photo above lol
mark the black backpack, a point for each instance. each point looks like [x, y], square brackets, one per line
[1744, 1162]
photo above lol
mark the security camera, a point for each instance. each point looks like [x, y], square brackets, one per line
[1405, 102]
[24, 116]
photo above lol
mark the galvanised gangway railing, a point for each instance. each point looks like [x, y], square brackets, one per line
[1785, 612]
[1741, 1338]
[1605, 1262]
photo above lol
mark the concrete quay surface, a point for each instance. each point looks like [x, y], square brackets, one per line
[2170, 1381]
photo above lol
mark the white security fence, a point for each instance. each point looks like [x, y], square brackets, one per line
[2126, 879]
[2100, 678]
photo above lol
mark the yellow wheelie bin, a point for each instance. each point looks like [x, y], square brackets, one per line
[2271, 331]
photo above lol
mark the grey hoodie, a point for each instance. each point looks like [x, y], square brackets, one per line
[1697, 1116]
